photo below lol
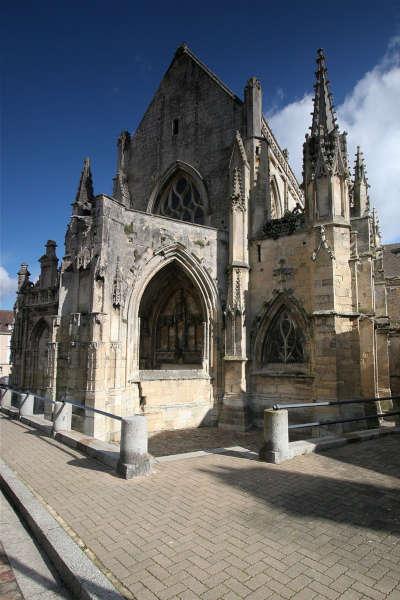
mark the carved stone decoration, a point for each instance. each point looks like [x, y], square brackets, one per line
[282, 275]
[74, 324]
[323, 244]
[83, 259]
[290, 222]
[121, 189]
[100, 269]
[237, 197]
[238, 294]
[118, 292]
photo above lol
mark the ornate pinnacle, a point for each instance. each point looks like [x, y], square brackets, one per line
[361, 203]
[85, 194]
[324, 117]
[360, 171]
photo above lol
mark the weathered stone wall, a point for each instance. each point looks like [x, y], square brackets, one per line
[208, 116]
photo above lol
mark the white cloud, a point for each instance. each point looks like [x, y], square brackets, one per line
[370, 114]
[8, 288]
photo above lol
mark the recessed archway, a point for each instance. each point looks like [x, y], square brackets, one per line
[172, 322]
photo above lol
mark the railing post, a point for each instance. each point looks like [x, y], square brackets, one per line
[27, 402]
[62, 417]
[133, 457]
[276, 436]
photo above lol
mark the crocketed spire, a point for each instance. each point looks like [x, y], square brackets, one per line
[325, 149]
[324, 117]
[361, 205]
[325, 156]
[85, 194]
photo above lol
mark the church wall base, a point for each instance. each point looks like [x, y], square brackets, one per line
[236, 414]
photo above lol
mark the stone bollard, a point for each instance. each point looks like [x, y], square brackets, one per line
[5, 397]
[27, 402]
[133, 457]
[396, 407]
[62, 417]
[276, 436]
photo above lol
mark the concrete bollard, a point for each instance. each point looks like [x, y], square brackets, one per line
[27, 402]
[133, 457]
[276, 436]
[62, 417]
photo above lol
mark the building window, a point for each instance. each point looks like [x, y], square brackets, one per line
[181, 200]
[175, 126]
[284, 342]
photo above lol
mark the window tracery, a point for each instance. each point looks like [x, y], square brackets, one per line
[284, 342]
[181, 200]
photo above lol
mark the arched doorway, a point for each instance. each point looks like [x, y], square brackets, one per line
[39, 352]
[172, 322]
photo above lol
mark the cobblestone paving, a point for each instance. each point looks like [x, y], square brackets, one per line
[224, 526]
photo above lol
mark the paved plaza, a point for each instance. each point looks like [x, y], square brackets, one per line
[226, 525]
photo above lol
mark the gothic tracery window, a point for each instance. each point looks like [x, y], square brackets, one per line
[284, 342]
[181, 200]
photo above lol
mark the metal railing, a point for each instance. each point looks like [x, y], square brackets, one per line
[134, 459]
[378, 415]
[64, 400]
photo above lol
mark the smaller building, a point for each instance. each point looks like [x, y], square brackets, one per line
[6, 327]
[391, 267]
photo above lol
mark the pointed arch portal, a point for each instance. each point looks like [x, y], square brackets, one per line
[40, 338]
[172, 322]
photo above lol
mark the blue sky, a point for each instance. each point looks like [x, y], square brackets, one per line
[76, 74]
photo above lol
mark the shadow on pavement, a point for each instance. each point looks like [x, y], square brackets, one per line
[366, 503]
[381, 455]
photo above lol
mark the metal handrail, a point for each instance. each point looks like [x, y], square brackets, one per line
[95, 410]
[332, 402]
[349, 420]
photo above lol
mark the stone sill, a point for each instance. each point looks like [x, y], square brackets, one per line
[172, 374]
[290, 374]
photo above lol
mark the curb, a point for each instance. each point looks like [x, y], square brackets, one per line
[84, 580]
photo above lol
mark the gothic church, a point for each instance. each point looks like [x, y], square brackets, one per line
[211, 285]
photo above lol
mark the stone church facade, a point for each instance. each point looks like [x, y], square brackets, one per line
[210, 285]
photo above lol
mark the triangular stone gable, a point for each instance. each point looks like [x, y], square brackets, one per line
[192, 118]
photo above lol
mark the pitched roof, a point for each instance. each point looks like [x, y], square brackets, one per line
[391, 260]
[184, 49]
[6, 320]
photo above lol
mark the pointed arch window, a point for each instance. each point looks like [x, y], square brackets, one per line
[180, 199]
[284, 342]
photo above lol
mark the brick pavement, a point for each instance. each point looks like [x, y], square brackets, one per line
[224, 526]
